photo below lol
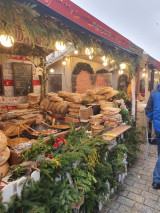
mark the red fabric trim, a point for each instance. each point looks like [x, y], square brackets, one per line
[86, 20]
[20, 58]
[8, 83]
[36, 82]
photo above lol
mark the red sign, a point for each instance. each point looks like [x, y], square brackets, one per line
[86, 20]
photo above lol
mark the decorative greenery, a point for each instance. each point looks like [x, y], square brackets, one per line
[125, 115]
[127, 101]
[84, 158]
[36, 24]
[132, 141]
[82, 66]
[102, 71]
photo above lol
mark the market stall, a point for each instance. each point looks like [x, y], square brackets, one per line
[92, 132]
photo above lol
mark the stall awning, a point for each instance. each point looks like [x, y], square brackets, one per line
[77, 15]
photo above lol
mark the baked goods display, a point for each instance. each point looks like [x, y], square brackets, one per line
[45, 132]
[33, 100]
[4, 155]
[111, 116]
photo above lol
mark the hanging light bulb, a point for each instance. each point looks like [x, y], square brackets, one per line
[76, 52]
[105, 63]
[64, 63]
[89, 51]
[156, 72]
[90, 57]
[60, 46]
[120, 72]
[122, 66]
[52, 70]
[104, 58]
[143, 75]
[6, 41]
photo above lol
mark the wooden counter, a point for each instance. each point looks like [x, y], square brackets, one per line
[117, 131]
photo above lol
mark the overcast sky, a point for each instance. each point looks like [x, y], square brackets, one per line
[137, 20]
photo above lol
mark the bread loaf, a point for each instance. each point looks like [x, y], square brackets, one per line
[44, 104]
[73, 109]
[4, 169]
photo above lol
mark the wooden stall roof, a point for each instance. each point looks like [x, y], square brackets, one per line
[71, 13]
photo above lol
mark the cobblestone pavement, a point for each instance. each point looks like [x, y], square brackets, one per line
[137, 195]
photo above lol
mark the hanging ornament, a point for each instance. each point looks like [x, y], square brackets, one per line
[60, 46]
[6, 41]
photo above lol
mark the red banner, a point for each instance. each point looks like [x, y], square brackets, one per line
[8, 83]
[36, 83]
[86, 20]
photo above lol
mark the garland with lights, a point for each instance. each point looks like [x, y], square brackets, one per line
[38, 25]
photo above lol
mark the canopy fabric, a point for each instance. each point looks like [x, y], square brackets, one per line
[79, 16]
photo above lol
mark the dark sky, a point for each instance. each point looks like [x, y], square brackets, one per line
[137, 20]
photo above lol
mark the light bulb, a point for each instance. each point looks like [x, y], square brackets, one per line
[64, 63]
[122, 66]
[60, 45]
[143, 75]
[6, 41]
[90, 57]
[51, 70]
[156, 72]
[89, 51]
[104, 58]
[105, 63]
[76, 52]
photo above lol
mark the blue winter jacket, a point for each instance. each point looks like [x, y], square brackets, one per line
[153, 108]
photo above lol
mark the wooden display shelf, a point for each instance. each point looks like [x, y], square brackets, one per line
[117, 131]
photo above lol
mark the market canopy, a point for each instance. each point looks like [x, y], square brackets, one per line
[91, 24]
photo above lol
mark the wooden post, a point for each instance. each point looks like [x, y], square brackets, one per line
[146, 82]
[133, 96]
[136, 90]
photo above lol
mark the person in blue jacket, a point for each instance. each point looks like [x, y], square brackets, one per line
[153, 113]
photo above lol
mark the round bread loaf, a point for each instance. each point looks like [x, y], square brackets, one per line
[3, 138]
[44, 104]
[4, 169]
[4, 154]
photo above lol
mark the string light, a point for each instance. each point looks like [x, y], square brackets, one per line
[51, 70]
[76, 52]
[64, 63]
[90, 57]
[143, 75]
[104, 58]
[60, 46]
[120, 72]
[6, 41]
[89, 51]
[105, 63]
[122, 66]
